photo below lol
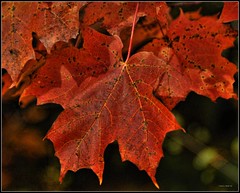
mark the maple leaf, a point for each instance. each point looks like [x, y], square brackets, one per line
[118, 105]
[195, 61]
[229, 12]
[51, 21]
[47, 84]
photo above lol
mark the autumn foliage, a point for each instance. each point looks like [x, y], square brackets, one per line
[114, 85]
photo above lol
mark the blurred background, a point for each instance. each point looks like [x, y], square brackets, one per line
[205, 158]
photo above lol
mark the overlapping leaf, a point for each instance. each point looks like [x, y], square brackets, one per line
[57, 21]
[48, 84]
[195, 61]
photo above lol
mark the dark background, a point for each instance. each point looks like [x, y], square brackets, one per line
[203, 158]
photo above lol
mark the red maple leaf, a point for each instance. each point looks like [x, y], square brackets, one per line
[118, 105]
[147, 114]
[52, 22]
[48, 85]
[194, 60]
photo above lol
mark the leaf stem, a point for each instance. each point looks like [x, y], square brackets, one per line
[131, 38]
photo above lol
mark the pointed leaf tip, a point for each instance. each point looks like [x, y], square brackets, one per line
[155, 183]
[100, 181]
